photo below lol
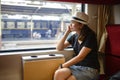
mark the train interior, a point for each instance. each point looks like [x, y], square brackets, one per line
[29, 33]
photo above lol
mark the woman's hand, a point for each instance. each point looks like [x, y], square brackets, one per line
[68, 29]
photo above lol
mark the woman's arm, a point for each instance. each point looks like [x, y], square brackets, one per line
[62, 42]
[82, 54]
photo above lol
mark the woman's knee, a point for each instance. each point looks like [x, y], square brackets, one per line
[62, 74]
[58, 72]
[71, 78]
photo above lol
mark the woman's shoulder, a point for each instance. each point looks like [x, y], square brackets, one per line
[91, 32]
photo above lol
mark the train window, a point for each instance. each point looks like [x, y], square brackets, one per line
[10, 25]
[28, 24]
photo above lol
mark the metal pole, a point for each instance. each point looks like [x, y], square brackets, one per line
[83, 7]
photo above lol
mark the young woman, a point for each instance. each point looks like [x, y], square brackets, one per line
[84, 65]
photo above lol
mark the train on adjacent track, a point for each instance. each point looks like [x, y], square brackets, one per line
[21, 28]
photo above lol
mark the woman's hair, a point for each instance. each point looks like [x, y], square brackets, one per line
[84, 32]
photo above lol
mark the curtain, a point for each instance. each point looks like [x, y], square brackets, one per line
[103, 18]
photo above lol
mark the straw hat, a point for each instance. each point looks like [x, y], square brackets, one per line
[80, 17]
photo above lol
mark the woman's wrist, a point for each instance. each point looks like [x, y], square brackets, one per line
[67, 32]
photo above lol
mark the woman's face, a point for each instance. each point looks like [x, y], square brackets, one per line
[75, 26]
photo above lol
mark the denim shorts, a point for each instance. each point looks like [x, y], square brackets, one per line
[84, 73]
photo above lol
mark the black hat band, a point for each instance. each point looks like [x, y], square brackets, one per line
[78, 19]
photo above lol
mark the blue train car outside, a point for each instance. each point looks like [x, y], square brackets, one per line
[21, 29]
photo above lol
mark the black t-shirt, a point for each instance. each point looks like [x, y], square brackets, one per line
[90, 41]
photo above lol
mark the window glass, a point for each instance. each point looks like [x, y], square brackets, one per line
[28, 24]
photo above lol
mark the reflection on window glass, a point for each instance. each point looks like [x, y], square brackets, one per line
[26, 24]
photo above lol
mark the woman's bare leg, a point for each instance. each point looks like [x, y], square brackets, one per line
[71, 78]
[62, 74]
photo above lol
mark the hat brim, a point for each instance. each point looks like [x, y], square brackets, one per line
[79, 21]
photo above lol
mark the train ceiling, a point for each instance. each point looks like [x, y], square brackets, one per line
[106, 2]
[32, 7]
[12, 9]
[17, 9]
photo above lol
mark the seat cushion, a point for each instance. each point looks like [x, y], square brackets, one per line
[113, 41]
[112, 64]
